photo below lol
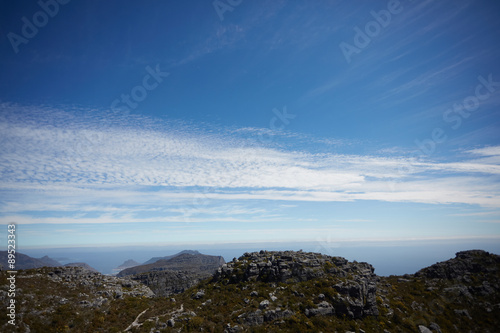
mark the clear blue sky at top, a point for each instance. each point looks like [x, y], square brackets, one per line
[342, 161]
[263, 55]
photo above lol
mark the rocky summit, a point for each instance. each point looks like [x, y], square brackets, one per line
[266, 291]
[354, 288]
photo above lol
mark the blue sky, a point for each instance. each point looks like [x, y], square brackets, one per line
[202, 122]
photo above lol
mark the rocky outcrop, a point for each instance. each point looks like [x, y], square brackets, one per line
[103, 285]
[68, 295]
[465, 264]
[167, 282]
[281, 291]
[260, 316]
[289, 266]
[357, 298]
[356, 287]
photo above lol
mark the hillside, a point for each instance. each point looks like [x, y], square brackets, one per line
[155, 259]
[170, 276]
[195, 263]
[24, 261]
[279, 291]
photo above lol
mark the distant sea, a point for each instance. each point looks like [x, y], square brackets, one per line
[392, 258]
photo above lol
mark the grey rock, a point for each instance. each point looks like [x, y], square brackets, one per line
[435, 327]
[463, 313]
[459, 290]
[324, 308]
[118, 294]
[280, 266]
[357, 295]
[277, 314]
[464, 263]
[264, 304]
[423, 329]
[234, 329]
[166, 283]
[252, 318]
[199, 294]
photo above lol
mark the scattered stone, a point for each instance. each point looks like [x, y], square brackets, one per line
[234, 329]
[423, 329]
[252, 318]
[435, 327]
[199, 294]
[463, 313]
[324, 308]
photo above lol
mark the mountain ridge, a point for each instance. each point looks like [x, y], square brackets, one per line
[24, 261]
[155, 259]
[197, 263]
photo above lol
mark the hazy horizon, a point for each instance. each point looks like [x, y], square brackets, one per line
[387, 259]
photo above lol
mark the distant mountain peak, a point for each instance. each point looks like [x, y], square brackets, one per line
[128, 263]
[24, 261]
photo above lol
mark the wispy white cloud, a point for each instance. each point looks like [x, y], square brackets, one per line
[486, 151]
[129, 171]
